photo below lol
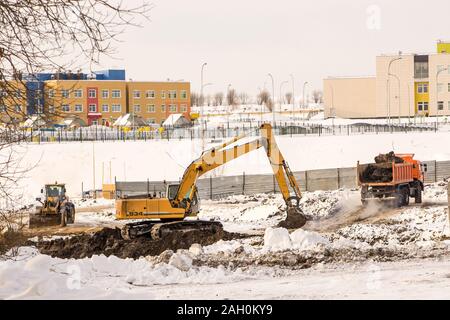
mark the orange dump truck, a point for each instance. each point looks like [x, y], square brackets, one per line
[397, 179]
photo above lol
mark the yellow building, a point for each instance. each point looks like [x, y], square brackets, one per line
[155, 101]
[13, 102]
[405, 85]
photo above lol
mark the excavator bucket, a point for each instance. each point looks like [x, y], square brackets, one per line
[295, 219]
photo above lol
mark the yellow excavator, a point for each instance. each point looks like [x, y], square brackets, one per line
[181, 200]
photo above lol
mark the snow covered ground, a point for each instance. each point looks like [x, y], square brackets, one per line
[158, 160]
[387, 253]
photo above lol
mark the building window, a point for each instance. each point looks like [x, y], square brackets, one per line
[51, 109]
[150, 94]
[172, 94]
[163, 108]
[51, 93]
[421, 67]
[2, 108]
[183, 94]
[137, 108]
[151, 120]
[78, 108]
[163, 94]
[93, 107]
[65, 93]
[18, 93]
[136, 94]
[18, 108]
[422, 106]
[116, 108]
[183, 108]
[78, 93]
[440, 87]
[422, 88]
[3, 93]
[92, 93]
[440, 105]
[151, 108]
[105, 108]
[115, 93]
[173, 108]
[105, 94]
[449, 105]
[65, 108]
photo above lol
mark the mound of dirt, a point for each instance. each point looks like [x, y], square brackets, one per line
[110, 242]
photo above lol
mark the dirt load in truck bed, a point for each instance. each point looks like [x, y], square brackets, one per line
[381, 170]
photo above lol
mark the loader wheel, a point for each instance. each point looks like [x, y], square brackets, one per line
[63, 218]
[418, 196]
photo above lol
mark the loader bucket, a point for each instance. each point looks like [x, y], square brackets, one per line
[43, 220]
[295, 219]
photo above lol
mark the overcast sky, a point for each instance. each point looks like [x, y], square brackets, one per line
[243, 40]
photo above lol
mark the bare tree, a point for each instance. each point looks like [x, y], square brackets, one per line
[231, 97]
[265, 98]
[244, 98]
[288, 97]
[218, 98]
[53, 36]
[317, 96]
[195, 99]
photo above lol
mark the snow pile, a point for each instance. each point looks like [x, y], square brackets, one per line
[36, 276]
[324, 204]
[436, 192]
[276, 239]
[232, 246]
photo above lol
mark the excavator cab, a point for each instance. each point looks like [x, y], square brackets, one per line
[171, 193]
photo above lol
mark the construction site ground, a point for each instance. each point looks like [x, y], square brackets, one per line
[344, 249]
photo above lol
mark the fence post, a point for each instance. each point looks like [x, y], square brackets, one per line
[306, 180]
[338, 178]
[435, 170]
[243, 183]
[274, 186]
[210, 188]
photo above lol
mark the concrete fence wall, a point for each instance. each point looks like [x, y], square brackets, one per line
[312, 180]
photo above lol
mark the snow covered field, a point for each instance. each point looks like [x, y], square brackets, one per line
[158, 160]
[345, 251]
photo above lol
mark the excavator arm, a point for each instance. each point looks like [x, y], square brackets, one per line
[221, 155]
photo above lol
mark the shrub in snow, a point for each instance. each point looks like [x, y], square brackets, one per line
[277, 239]
[180, 261]
[305, 240]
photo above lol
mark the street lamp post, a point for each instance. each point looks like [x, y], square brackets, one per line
[273, 99]
[388, 91]
[293, 95]
[228, 111]
[304, 88]
[201, 91]
[437, 94]
[281, 93]
[399, 95]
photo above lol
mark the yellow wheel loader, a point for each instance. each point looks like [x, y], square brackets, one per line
[55, 209]
[181, 200]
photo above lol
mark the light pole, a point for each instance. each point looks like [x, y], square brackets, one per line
[228, 111]
[273, 99]
[293, 95]
[437, 94]
[399, 95]
[281, 93]
[201, 90]
[388, 90]
[304, 88]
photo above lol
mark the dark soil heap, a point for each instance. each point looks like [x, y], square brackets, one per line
[381, 170]
[110, 242]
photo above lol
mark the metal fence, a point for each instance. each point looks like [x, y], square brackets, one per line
[311, 180]
[120, 134]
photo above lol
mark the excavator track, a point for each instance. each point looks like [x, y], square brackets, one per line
[159, 230]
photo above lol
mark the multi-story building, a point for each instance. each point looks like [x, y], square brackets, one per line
[102, 97]
[405, 85]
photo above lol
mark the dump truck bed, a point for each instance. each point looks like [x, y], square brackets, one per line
[389, 174]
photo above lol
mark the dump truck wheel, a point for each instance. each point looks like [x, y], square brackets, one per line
[418, 196]
[405, 196]
[399, 199]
